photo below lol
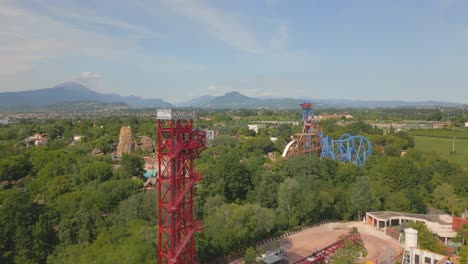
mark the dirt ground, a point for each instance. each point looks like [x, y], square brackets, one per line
[379, 246]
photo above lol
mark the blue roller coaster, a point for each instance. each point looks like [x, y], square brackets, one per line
[354, 149]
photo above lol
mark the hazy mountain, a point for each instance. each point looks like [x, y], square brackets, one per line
[72, 92]
[75, 92]
[197, 102]
[69, 107]
[236, 100]
[232, 100]
[345, 103]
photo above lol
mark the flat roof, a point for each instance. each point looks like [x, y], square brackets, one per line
[387, 215]
[434, 221]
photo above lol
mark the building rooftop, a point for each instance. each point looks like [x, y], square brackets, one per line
[428, 217]
[440, 224]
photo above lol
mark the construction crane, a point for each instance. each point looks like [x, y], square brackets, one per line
[178, 145]
[355, 149]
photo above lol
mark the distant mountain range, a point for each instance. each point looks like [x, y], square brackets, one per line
[197, 102]
[72, 92]
[235, 100]
[75, 92]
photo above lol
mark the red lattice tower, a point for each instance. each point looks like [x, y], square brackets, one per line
[178, 145]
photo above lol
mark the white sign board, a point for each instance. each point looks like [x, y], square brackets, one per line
[169, 114]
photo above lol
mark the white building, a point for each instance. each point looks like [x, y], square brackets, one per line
[414, 255]
[36, 139]
[256, 127]
[440, 224]
[466, 124]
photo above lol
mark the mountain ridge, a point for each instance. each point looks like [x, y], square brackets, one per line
[70, 92]
[235, 100]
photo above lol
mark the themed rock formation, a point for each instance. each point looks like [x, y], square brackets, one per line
[127, 141]
[147, 144]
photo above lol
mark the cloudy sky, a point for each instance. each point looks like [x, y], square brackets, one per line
[395, 49]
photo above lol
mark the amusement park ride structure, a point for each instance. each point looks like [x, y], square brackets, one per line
[178, 145]
[323, 255]
[355, 149]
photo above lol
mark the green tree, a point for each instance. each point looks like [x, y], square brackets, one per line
[401, 173]
[346, 255]
[426, 239]
[230, 177]
[250, 256]
[133, 243]
[26, 233]
[98, 170]
[404, 135]
[463, 254]
[262, 143]
[393, 149]
[397, 201]
[137, 207]
[288, 198]
[362, 197]
[14, 167]
[283, 131]
[445, 197]
[132, 165]
[267, 189]
[234, 226]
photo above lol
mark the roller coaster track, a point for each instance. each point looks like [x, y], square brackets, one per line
[348, 148]
[354, 149]
[323, 255]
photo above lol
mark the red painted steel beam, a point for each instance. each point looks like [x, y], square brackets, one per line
[320, 255]
[178, 145]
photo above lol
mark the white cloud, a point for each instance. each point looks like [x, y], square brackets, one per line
[212, 88]
[225, 26]
[28, 38]
[32, 38]
[83, 16]
[93, 81]
[90, 75]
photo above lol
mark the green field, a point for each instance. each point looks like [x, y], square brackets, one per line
[443, 146]
[442, 133]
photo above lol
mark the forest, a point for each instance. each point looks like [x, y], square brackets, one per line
[59, 203]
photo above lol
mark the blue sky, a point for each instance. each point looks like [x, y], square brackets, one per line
[177, 50]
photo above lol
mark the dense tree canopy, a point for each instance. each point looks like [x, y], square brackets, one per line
[61, 204]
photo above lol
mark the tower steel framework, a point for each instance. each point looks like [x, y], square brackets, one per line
[178, 145]
[308, 142]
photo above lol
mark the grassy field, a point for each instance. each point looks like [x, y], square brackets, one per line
[443, 133]
[443, 146]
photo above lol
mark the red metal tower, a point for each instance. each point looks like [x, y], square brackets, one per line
[178, 145]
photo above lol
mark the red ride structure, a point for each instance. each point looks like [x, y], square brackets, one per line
[323, 255]
[178, 145]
